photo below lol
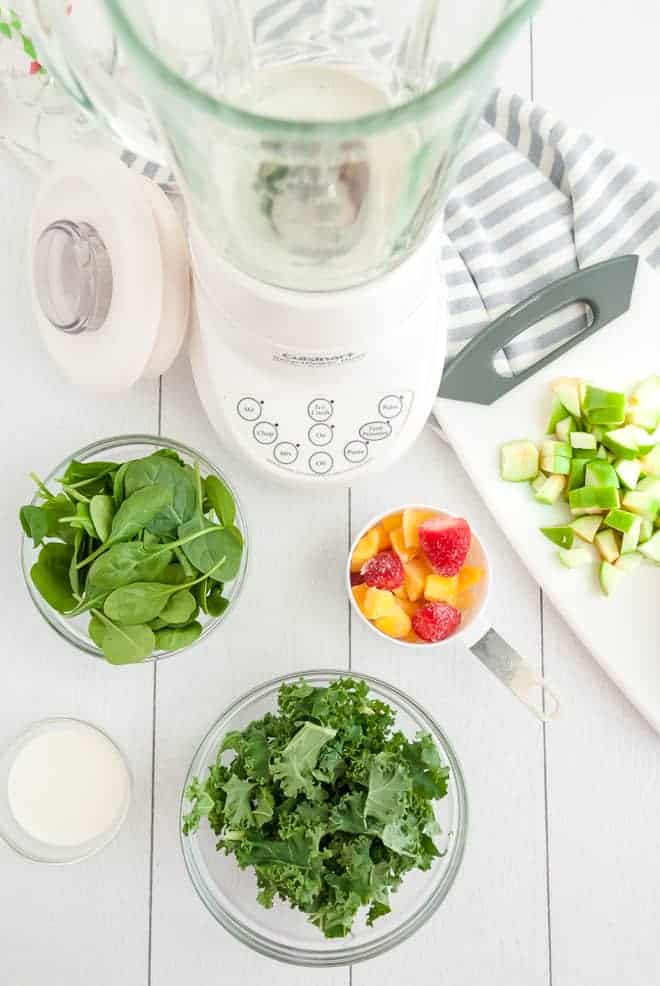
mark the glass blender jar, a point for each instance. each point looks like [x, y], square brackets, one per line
[315, 142]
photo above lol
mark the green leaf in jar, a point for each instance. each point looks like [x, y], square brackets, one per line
[126, 645]
[34, 521]
[174, 638]
[208, 546]
[163, 471]
[118, 484]
[179, 609]
[50, 575]
[221, 500]
[215, 602]
[142, 602]
[102, 512]
[133, 516]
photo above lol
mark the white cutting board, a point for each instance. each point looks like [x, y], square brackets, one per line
[622, 631]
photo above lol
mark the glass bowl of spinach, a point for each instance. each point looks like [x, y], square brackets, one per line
[323, 818]
[134, 548]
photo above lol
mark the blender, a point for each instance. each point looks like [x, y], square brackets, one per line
[314, 143]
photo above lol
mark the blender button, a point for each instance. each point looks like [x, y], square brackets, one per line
[285, 453]
[320, 434]
[320, 462]
[248, 409]
[265, 432]
[355, 451]
[375, 431]
[390, 406]
[320, 409]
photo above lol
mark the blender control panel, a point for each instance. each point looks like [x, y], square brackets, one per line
[320, 435]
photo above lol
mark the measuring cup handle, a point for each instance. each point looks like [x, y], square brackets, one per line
[519, 677]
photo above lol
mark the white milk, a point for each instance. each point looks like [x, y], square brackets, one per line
[68, 785]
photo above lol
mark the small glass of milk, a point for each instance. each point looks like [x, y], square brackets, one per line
[65, 789]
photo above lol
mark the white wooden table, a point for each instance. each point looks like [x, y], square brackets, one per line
[561, 880]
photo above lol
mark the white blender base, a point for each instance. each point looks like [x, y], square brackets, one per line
[320, 415]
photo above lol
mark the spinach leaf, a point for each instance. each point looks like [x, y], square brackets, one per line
[133, 516]
[102, 512]
[125, 645]
[163, 471]
[74, 574]
[125, 563]
[96, 631]
[173, 574]
[174, 638]
[215, 602]
[221, 500]
[34, 521]
[212, 547]
[142, 602]
[118, 484]
[80, 472]
[50, 575]
[179, 609]
[81, 520]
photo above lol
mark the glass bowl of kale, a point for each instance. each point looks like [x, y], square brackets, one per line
[134, 548]
[323, 818]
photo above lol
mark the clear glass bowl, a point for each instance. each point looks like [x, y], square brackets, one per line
[121, 448]
[282, 933]
[22, 841]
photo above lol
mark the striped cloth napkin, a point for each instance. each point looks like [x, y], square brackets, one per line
[535, 200]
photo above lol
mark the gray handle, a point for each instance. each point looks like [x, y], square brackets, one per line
[606, 288]
[517, 675]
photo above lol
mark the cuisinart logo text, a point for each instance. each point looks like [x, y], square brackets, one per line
[317, 359]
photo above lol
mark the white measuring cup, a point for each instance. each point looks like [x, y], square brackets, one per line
[475, 630]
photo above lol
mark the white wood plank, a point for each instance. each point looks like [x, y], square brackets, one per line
[592, 67]
[73, 925]
[292, 616]
[492, 927]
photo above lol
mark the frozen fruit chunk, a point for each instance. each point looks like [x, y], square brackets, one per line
[359, 592]
[378, 603]
[401, 593]
[445, 542]
[399, 545]
[415, 578]
[411, 523]
[392, 522]
[365, 549]
[383, 537]
[441, 589]
[356, 578]
[468, 576]
[436, 621]
[412, 638]
[396, 625]
[408, 606]
[384, 571]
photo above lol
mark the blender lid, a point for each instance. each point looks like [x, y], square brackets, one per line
[110, 273]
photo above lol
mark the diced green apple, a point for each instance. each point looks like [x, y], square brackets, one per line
[576, 557]
[586, 527]
[599, 473]
[628, 563]
[567, 391]
[622, 521]
[608, 546]
[645, 530]
[645, 505]
[650, 463]
[594, 499]
[538, 482]
[610, 577]
[519, 461]
[552, 489]
[629, 442]
[644, 404]
[557, 412]
[651, 548]
[649, 485]
[628, 471]
[576, 474]
[605, 407]
[582, 440]
[556, 457]
[564, 429]
[561, 536]
[630, 540]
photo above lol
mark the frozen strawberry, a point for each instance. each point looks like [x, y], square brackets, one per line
[445, 542]
[436, 621]
[357, 578]
[383, 571]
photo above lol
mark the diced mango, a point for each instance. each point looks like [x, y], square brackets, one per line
[412, 638]
[397, 625]
[365, 549]
[414, 578]
[411, 521]
[465, 600]
[441, 589]
[383, 537]
[392, 522]
[469, 575]
[359, 592]
[407, 606]
[400, 593]
[379, 603]
[399, 545]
